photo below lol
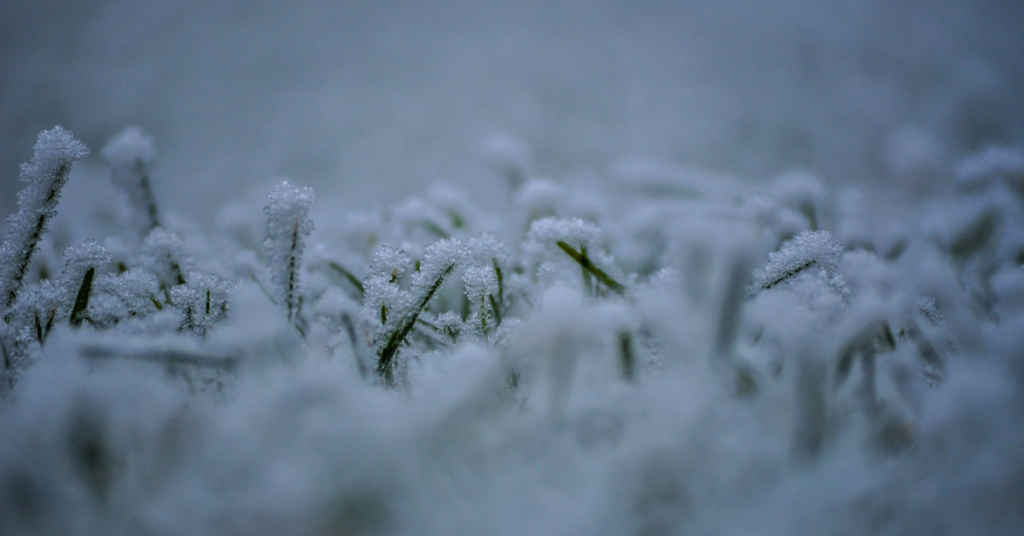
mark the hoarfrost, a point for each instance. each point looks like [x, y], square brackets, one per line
[81, 264]
[288, 223]
[163, 254]
[45, 176]
[468, 372]
[131, 155]
[810, 251]
[438, 259]
[138, 289]
[203, 301]
[390, 262]
[574, 231]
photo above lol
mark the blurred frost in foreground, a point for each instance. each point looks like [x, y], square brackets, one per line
[661, 351]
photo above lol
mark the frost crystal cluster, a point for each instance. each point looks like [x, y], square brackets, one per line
[288, 223]
[655, 350]
[45, 176]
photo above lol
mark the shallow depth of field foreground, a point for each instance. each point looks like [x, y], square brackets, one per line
[658, 352]
[648, 347]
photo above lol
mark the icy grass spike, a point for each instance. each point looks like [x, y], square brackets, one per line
[439, 260]
[56, 151]
[288, 222]
[131, 154]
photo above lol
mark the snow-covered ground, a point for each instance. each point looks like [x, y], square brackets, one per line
[512, 268]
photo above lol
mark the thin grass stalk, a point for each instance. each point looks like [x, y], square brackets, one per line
[590, 269]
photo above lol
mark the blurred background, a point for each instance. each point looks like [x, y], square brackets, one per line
[371, 101]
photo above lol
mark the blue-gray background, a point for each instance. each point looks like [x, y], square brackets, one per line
[369, 101]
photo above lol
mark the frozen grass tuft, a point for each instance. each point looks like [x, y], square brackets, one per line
[598, 358]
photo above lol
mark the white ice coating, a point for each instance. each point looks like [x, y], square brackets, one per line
[203, 301]
[163, 254]
[45, 176]
[288, 224]
[131, 154]
[886, 405]
[810, 250]
[78, 259]
[129, 146]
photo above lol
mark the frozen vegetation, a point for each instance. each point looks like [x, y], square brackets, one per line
[654, 350]
[609, 267]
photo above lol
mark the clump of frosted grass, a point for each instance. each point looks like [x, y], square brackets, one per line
[671, 395]
[134, 293]
[55, 152]
[439, 260]
[203, 302]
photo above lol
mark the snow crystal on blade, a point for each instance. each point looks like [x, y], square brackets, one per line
[78, 261]
[288, 208]
[81, 257]
[137, 289]
[203, 301]
[487, 249]
[54, 153]
[288, 222]
[163, 254]
[480, 282]
[438, 259]
[390, 261]
[809, 250]
[54, 149]
[574, 231]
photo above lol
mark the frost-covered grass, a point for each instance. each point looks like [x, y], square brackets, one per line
[655, 351]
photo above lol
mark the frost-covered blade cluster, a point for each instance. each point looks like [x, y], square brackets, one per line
[45, 176]
[439, 260]
[655, 351]
[136, 295]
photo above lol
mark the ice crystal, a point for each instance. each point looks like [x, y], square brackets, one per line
[483, 292]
